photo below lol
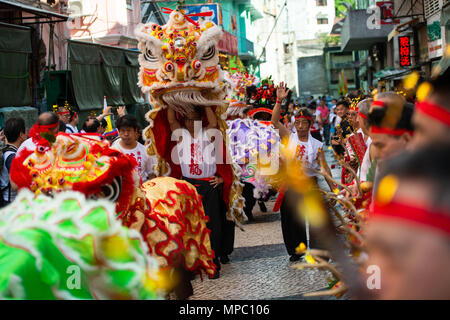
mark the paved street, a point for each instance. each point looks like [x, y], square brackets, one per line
[260, 267]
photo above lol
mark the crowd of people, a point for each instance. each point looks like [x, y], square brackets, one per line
[127, 137]
[399, 145]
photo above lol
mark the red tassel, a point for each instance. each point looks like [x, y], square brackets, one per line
[279, 201]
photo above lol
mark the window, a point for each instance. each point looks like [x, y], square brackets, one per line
[321, 3]
[129, 4]
[322, 20]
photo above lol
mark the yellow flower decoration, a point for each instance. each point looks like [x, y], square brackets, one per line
[301, 248]
[410, 81]
[386, 190]
[423, 91]
[309, 259]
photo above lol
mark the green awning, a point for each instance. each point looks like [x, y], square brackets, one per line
[99, 71]
[113, 65]
[131, 91]
[86, 75]
[15, 47]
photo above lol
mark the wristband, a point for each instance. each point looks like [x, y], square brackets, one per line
[278, 101]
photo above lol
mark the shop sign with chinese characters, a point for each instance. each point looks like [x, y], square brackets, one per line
[404, 51]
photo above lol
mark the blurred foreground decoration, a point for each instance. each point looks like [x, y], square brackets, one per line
[316, 209]
[67, 247]
[176, 234]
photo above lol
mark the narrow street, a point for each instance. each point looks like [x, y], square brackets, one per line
[260, 267]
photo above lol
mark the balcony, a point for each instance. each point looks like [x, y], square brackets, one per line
[229, 43]
[246, 48]
[360, 31]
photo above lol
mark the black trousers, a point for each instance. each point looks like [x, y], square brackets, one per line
[222, 230]
[250, 201]
[292, 226]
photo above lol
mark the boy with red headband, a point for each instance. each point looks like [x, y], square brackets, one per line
[306, 149]
[391, 130]
[71, 126]
[408, 233]
[432, 116]
[63, 115]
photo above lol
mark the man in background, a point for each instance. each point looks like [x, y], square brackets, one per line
[15, 133]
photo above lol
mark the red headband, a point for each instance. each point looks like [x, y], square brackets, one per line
[379, 103]
[37, 129]
[394, 132]
[437, 220]
[304, 117]
[47, 127]
[63, 113]
[435, 111]
[362, 115]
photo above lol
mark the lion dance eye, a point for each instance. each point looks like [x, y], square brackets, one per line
[210, 53]
[149, 56]
[196, 65]
[168, 66]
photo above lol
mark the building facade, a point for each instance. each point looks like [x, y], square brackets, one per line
[105, 22]
[288, 32]
[33, 43]
[395, 38]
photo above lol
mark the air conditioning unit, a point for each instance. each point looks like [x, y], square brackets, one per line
[80, 8]
[432, 7]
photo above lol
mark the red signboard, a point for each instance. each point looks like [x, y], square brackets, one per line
[386, 12]
[404, 51]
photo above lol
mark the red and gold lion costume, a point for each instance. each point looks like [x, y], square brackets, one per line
[179, 69]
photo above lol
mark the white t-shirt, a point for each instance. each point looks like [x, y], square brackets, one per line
[71, 129]
[306, 151]
[366, 163]
[196, 156]
[27, 144]
[146, 164]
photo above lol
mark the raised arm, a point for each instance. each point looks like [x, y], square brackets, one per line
[282, 93]
[106, 112]
[173, 122]
[212, 119]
